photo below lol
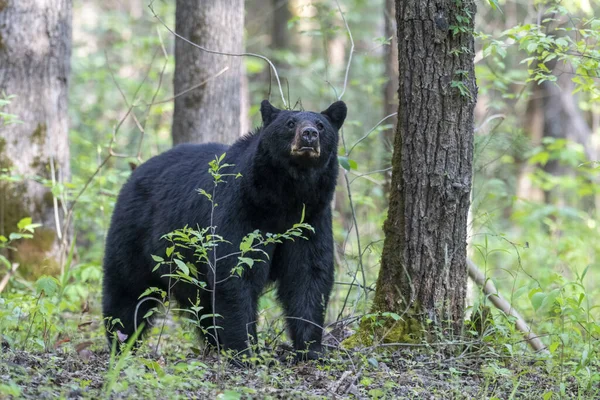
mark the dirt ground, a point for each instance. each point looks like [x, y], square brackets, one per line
[400, 374]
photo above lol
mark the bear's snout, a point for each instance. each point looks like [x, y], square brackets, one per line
[306, 141]
[310, 136]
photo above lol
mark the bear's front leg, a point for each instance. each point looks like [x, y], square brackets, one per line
[235, 307]
[305, 275]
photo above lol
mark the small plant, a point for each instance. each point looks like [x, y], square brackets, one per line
[5, 118]
[460, 84]
[203, 242]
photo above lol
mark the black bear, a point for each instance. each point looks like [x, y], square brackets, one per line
[288, 165]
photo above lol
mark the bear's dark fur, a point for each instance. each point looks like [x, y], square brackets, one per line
[287, 164]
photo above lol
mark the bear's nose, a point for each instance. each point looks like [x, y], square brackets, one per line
[310, 135]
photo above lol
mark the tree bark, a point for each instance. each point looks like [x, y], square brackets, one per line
[212, 112]
[423, 271]
[280, 38]
[35, 51]
[391, 87]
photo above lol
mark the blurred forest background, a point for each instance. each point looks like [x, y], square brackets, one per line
[534, 219]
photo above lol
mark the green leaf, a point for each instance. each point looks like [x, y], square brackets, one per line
[347, 163]
[246, 243]
[562, 42]
[155, 366]
[584, 272]
[15, 236]
[23, 223]
[5, 261]
[373, 362]
[392, 315]
[181, 265]
[246, 260]
[552, 348]
[537, 299]
[152, 290]
[47, 284]
[157, 258]
[343, 160]
[531, 47]
[229, 395]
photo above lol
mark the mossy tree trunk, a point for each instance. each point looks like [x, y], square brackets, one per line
[35, 51]
[423, 268]
[212, 112]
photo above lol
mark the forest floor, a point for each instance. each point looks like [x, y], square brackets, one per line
[409, 373]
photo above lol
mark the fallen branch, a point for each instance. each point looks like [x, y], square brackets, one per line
[496, 298]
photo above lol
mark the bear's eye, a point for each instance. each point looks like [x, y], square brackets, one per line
[320, 126]
[291, 123]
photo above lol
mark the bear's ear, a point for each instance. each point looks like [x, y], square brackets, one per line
[336, 113]
[268, 112]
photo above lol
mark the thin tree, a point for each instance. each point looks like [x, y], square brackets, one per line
[552, 112]
[35, 51]
[213, 111]
[423, 272]
[280, 36]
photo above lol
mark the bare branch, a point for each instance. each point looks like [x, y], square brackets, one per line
[366, 175]
[151, 7]
[204, 82]
[6, 278]
[351, 50]
[366, 135]
[488, 120]
[496, 298]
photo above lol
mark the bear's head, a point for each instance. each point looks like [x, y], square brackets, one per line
[303, 138]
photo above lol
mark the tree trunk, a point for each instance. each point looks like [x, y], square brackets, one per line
[212, 112]
[552, 111]
[391, 87]
[280, 38]
[35, 51]
[423, 271]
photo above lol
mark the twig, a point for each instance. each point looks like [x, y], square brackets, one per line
[351, 50]
[112, 75]
[137, 307]
[370, 289]
[488, 120]
[366, 175]
[151, 7]
[6, 278]
[37, 302]
[56, 215]
[160, 80]
[370, 131]
[496, 298]
[353, 381]
[204, 82]
[111, 152]
[360, 266]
